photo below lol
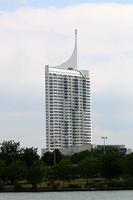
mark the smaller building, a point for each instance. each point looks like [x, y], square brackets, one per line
[43, 151]
[121, 148]
[72, 150]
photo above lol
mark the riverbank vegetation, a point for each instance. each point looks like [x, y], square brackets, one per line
[22, 169]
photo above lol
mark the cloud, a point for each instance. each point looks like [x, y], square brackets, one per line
[31, 38]
[12, 4]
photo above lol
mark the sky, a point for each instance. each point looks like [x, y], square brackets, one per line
[36, 33]
[16, 4]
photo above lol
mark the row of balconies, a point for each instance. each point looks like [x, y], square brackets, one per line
[68, 82]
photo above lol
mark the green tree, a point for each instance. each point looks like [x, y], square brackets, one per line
[111, 165]
[16, 171]
[2, 168]
[128, 161]
[2, 173]
[48, 158]
[77, 157]
[58, 156]
[10, 151]
[63, 169]
[36, 173]
[29, 156]
[89, 167]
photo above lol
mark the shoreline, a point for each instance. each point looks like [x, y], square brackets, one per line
[28, 190]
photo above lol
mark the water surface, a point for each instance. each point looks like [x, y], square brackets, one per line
[103, 195]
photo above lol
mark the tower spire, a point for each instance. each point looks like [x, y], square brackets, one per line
[76, 37]
[72, 61]
[76, 47]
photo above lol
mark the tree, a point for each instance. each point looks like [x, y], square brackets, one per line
[29, 156]
[48, 158]
[2, 169]
[63, 169]
[36, 173]
[89, 167]
[10, 151]
[58, 155]
[16, 171]
[128, 161]
[111, 165]
[77, 157]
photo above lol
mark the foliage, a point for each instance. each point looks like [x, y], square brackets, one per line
[89, 167]
[1, 184]
[48, 159]
[63, 169]
[58, 156]
[111, 165]
[128, 160]
[2, 168]
[36, 173]
[9, 151]
[77, 157]
[17, 170]
[20, 164]
[29, 156]
[17, 186]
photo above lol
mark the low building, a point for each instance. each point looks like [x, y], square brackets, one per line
[121, 148]
[72, 150]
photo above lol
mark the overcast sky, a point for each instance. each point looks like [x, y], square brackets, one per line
[35, 33]
[15, 4]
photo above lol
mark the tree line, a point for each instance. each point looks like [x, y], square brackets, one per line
[19, 164]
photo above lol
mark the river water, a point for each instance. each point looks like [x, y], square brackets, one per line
[103, 195]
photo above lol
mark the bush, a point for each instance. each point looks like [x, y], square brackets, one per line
[17, 185]
[1, 184]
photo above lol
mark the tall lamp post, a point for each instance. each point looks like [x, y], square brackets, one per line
[104, 138]
[54, 152]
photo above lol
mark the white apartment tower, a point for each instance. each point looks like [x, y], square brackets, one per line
[68, 111]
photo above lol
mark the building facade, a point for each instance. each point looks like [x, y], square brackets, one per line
[68, 111]
[122, 149]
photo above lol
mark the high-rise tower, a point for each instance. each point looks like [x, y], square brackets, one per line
[68, 117]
